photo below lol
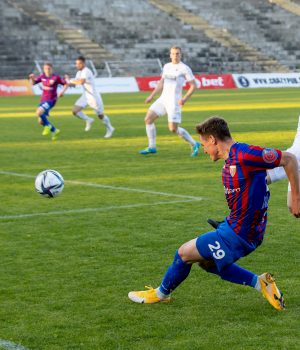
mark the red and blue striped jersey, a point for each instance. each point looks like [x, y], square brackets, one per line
[246, 190]
[49, 86]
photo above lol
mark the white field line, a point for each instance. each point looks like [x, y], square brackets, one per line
[115, 188]
[89, 210]
[8, 345]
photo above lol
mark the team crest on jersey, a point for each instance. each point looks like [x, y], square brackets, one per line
[269, 155]
[232, 169]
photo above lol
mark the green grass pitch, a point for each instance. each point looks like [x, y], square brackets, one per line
[68, 263]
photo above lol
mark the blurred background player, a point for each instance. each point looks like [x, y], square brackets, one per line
[247, 195]
[174, 76]
[50, 83]
[89, 97]
[277, 174]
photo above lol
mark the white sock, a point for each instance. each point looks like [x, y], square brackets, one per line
[161, 295]
[151, 134]
[106, 122]
[186, 136]
[257, 285]
[82, 116]
[277, 174]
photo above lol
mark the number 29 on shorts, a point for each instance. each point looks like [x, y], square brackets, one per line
[217, 252]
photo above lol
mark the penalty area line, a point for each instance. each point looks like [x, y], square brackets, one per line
[110, 187]
[8, 345]
[90, 210]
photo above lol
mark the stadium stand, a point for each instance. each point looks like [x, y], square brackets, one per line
[23, 40]
[262, 24]
[216, 37]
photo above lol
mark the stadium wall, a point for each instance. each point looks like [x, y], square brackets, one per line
[135, 84]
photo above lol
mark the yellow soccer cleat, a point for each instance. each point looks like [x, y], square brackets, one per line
[46, 130]
[270, 291]
[55, 134]
[147, 297]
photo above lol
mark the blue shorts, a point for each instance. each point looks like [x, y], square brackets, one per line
[47, 105]
[223, 246]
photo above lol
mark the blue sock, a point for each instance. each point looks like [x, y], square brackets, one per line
[46, 122]
[236, 274]
[44, 119]
[175, 274]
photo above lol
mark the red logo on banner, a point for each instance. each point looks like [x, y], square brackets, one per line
[203, 81]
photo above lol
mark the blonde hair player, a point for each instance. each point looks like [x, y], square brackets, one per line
[89, 97]
[173, 78]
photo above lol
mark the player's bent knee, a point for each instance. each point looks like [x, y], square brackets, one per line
[39, 112]
[186, 252]
[182, 252]
[173, 129]
[148, 120]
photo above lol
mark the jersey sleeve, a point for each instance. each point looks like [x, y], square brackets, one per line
[258, 158]
[189, 76]
[61, 80]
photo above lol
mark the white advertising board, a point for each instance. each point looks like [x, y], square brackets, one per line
[102, 84]
[267, 80]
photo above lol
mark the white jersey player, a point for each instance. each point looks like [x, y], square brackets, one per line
[90, 97]
[278, 174]
[174, 76]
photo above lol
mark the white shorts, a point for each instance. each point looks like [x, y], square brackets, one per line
[160, 108]
[95, 103]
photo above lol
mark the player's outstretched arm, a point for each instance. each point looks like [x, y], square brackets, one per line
[189, 93]
[31, 78]
[77, 82]
[290, 164]
[61, 93]
[157, 89]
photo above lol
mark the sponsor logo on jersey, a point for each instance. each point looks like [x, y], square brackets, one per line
[269, 155]
[170, 77]
[231, 190]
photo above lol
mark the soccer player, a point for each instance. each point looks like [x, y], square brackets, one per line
[89, 97]
[247, 195]
[50, 83]
[174, 75]
[278, 174]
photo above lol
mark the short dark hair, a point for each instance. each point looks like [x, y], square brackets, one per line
[81, 58]
[214, 126]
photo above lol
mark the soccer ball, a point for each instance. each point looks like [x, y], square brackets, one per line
[49, 183]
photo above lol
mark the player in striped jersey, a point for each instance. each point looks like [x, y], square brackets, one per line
[247, 195]
[278, 174]
[50, 83]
